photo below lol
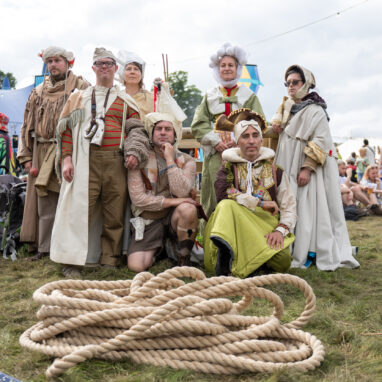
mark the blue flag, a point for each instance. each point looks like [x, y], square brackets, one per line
[250, 78]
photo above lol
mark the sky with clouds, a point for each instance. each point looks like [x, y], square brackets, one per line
[344, 51]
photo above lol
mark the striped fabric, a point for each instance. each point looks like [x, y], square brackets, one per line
[112, 135]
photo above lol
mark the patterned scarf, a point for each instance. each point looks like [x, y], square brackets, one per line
[309, 99]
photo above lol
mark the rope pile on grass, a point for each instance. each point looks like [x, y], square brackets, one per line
[162, 320]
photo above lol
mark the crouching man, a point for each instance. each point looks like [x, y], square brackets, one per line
[160, 197]
[256, 213]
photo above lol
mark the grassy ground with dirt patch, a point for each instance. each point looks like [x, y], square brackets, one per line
[348, 320]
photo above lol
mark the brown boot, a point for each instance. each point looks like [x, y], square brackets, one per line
[184, 252]
[375, 209]
[39, 256]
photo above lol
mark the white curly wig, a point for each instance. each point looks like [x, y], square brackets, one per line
[233, 51]
[125, 58]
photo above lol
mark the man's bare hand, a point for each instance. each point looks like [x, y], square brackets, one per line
[220, 147]
[277, 128]
[28, 166]
[271, 206]
[275, 240]
[231, 144]
[174, 202]
[131, 162]
[303, 177]
[68, 169]
[168, 152]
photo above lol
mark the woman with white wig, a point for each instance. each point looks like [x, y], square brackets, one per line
[131, 73]
[227, 65]
[307, 154]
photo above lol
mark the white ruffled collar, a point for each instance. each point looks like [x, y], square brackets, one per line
[234, 155]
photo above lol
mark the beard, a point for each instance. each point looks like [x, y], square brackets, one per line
[58, 77]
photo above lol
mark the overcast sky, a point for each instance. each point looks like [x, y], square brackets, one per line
[344, 52]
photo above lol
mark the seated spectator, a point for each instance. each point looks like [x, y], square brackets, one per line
[361, 163]
[350, 209]
[252, 223]
[371, 186]
[348, 186]
[350, 163]
[7, 157]
[160, 197]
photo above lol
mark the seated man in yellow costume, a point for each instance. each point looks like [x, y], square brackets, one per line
[256, 212]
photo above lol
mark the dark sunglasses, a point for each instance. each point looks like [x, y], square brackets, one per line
[292, 82]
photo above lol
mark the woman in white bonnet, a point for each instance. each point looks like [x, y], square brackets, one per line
[308, 156]
[131, 73]
[227, 65]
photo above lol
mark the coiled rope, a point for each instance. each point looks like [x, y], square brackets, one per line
[162, 320]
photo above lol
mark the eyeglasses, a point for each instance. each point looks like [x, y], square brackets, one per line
[100, 64]
[292, 82]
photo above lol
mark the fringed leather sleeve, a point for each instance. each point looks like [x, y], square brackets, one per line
[25, 149]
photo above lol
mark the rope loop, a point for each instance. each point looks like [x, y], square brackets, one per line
[164, 321]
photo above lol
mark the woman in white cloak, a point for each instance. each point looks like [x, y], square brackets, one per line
[307, 154]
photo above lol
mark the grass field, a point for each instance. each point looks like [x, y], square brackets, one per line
[348, 320]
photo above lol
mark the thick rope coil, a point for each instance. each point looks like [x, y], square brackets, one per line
[163, 321]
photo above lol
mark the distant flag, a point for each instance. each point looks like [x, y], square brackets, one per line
[250, 78]
[39, 79]
[45, 69]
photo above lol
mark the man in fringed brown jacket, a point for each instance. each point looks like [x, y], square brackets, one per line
[38, 147]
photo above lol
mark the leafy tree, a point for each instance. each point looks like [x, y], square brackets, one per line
[187, 96]
[11, 78]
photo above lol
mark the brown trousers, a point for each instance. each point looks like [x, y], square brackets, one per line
[107, 182]
[39, 212]
[46, 207]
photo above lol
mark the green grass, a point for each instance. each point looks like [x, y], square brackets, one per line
[348, 320]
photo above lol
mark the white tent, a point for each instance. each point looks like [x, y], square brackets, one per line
[354, 144]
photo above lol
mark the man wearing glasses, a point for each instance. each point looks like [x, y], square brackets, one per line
[38, 146]
[94, 128]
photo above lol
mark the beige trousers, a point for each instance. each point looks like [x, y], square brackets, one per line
[107, 183]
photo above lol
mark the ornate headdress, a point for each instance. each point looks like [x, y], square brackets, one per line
[240, 56]
[239, 120]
